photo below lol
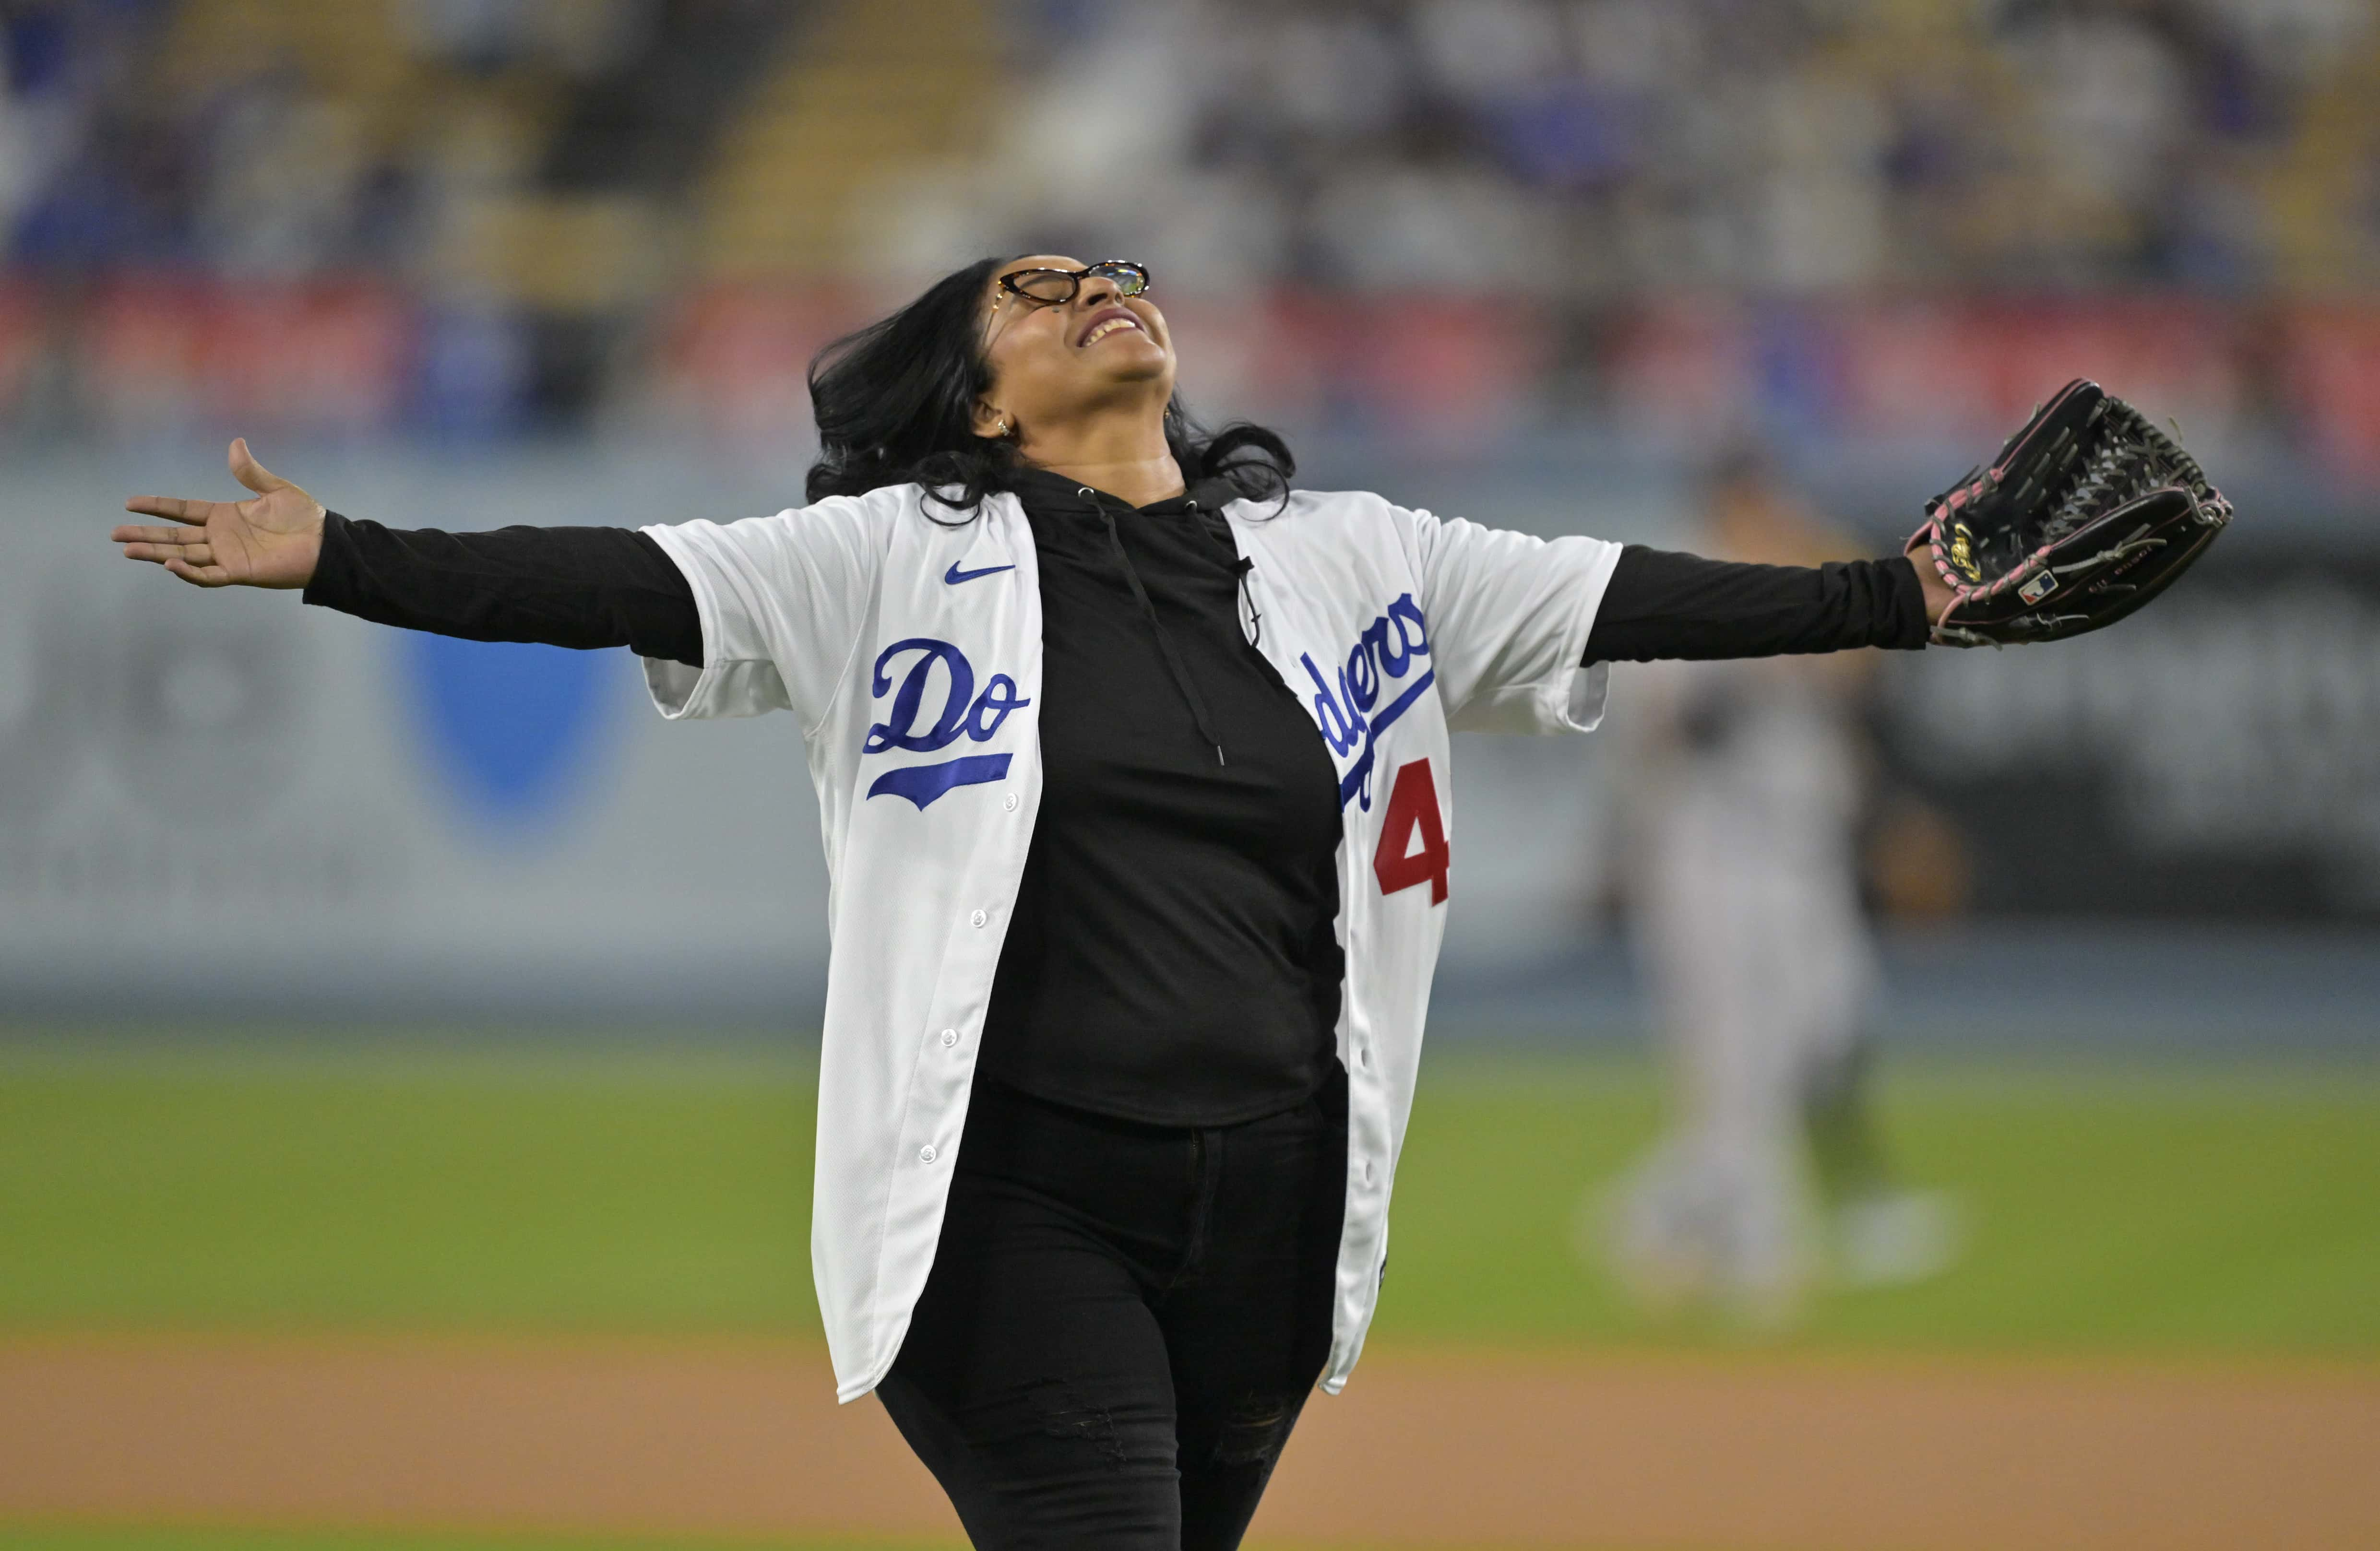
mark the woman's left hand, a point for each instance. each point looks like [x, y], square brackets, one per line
[1938, 595]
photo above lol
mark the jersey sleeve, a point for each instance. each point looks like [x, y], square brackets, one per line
[782, 601]
[1509, 618]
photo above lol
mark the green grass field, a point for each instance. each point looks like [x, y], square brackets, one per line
[2210, 1210]
[2206, 1211]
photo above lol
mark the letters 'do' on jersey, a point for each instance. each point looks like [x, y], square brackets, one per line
[962, 711]
[910, 651]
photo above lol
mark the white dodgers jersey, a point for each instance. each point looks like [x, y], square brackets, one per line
[909, 646]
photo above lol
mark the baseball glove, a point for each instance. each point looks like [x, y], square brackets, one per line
[2087, 514]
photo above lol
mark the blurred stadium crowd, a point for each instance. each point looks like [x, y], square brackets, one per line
[1855, 218]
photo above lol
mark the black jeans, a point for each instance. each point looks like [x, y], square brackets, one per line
[1122, 1321]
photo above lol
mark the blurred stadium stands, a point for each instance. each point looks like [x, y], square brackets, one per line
[1469, 218]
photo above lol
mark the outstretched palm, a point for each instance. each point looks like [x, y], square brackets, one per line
[270, 540]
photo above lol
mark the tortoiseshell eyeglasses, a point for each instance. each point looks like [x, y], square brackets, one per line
[1051, 286]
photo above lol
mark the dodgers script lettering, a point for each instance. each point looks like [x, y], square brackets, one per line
[1386, 652]
[962, 714]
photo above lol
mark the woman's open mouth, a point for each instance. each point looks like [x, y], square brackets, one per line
[1107, 320]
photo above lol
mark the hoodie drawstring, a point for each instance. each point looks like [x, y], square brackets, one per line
[1182, 680]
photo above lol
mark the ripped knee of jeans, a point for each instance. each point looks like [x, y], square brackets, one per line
[1254, 1430]
[1067, 1416]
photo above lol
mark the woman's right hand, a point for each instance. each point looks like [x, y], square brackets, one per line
[271, 539]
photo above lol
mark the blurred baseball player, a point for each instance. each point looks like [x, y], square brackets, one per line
[1747, 791]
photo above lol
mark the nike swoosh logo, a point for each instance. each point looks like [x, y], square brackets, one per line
[954, 575]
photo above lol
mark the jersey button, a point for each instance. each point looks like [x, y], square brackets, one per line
[1367, 1168]
[977, 919]
[950, 1038]
[1009, 801]
[927, 1154]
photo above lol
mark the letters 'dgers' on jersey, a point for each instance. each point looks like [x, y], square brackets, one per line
[1381, 679]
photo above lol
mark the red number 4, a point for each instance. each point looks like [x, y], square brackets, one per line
[1400, 863]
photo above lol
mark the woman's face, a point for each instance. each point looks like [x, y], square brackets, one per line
[1059, 361]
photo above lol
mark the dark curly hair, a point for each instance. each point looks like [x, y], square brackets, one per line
[895, 405]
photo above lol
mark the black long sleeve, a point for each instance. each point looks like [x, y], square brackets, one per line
[1173, 958]
[1662, 604]
[583, 587]
[613, 586]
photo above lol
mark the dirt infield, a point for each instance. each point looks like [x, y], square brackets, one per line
[1573, 1450]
